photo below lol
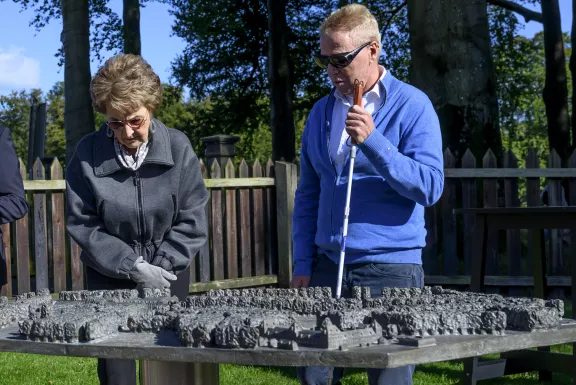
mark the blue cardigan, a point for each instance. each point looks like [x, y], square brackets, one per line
[397, 172]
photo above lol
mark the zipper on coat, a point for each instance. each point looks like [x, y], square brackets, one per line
[140, 211]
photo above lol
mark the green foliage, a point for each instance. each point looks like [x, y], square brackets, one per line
[15, 114]
[55, 137]
[392, 17]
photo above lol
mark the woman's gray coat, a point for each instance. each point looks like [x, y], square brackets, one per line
[116, 214]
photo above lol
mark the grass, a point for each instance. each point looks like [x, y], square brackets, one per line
[30, 369]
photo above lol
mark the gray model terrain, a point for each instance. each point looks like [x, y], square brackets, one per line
[276, 318]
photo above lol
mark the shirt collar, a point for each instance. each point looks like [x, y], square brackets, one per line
[373, 94]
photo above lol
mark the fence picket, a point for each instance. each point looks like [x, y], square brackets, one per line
[555, 198]
[200, 268]
[22, 237]
[258, 213]
[491, 200]
[271, 238]
[40, 239]
[430, 251]
[58, 230]
[469, 200]
[6, 238]
[572, 202]
[513, 244]
[532, 199]
[245, 224]
[217, 234]
[76, 266]
[231, 225]
[448, 203]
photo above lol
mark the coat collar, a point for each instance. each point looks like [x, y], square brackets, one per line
[106, 162]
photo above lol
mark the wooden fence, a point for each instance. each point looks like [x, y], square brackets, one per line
[447, 256]
[250, 210]
[249, 231]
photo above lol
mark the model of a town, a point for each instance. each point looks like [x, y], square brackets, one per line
[275, 318]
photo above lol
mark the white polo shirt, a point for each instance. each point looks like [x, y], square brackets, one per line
[338, 136]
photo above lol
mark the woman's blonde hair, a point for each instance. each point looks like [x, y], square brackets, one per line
[355, 19]
[126, 82]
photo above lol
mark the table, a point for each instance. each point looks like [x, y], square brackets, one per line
[539, 218]
[170, 363]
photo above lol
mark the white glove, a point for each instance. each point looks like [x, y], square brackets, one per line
[147, 275]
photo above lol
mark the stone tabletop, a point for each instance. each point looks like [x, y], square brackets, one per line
[165, 347]
[281, 327]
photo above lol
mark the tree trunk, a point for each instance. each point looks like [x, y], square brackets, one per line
[131, 27]
[279, 77]
[452, 63]
[573, 71]
[555, 88]
[78, 111]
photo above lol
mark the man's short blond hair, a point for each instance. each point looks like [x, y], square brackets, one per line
[126, 82]
[355, 19]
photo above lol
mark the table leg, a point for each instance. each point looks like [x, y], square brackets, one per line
[539, 252]
[479, 255]
[540, 286]
[476, 285]
[178, 373]
[470, 371]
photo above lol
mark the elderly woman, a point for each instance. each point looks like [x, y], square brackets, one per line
[135, 194]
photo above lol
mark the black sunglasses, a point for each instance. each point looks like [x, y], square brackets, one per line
[339, 60]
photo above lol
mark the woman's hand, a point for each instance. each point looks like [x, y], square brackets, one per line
[149, 275]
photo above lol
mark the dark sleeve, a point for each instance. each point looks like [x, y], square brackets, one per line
[189, 231]
[13, 203]
[106, 253]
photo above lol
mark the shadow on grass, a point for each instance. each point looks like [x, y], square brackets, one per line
[289, 372]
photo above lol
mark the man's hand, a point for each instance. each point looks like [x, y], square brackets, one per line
[149, 275]
[359, 124]
[299, 281]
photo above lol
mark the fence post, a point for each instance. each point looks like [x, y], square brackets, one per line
[220, 148]
[286, 181]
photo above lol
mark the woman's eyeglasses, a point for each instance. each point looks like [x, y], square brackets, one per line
[340, 60]
[136, 122]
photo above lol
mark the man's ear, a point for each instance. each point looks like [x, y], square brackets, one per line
[374, 51]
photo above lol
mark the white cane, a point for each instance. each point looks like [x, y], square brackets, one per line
[358, 88]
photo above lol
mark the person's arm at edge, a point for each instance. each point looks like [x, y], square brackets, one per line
[13, 203]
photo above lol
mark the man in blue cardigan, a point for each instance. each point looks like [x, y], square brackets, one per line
[398, 172]
[13, 203]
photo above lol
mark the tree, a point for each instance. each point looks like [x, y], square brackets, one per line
[233, 75]
[573, 72]
[452, 63]
[78, 111]
[280, 82]
[131, 27]
[55, 137]
[555, 89]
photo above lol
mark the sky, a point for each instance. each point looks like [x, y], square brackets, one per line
[27, 56]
